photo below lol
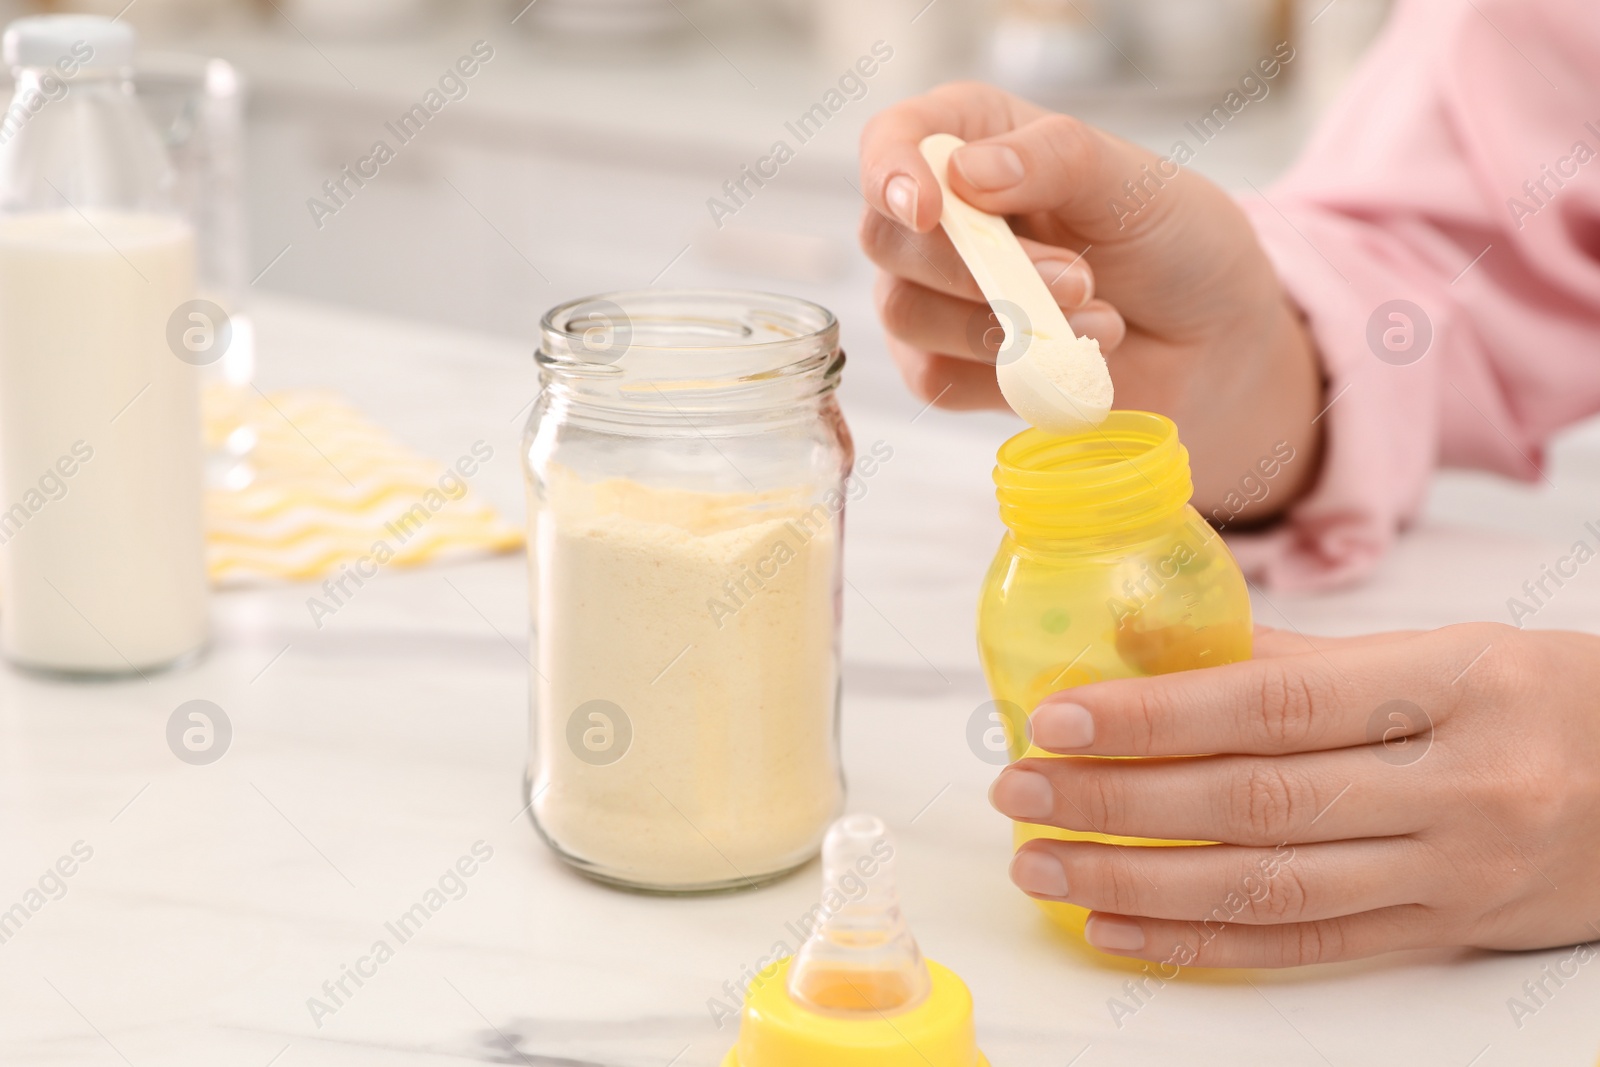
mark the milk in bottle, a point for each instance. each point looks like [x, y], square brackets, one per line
[101, 550]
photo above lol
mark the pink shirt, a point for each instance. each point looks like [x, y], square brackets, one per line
[1460, 172]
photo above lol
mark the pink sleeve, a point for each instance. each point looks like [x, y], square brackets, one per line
[1441, 236]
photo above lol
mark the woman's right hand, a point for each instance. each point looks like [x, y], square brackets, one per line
[1157, 263]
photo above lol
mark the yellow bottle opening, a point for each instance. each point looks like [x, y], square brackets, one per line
[1128, 472]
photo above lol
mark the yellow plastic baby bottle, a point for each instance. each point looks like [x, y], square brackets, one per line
[859, 993]
[1105, 571]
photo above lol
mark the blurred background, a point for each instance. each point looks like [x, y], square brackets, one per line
[589, 148]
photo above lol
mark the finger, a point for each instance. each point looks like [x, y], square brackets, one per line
[1238, 800]
[895, 179]
[1183, 944]
[1061, 165]
[1270, 642]
[1101, 321]
[935, 322]
[1292, 703]
[944, 381]
[1222, 883]
[951, 326]
[930, 260]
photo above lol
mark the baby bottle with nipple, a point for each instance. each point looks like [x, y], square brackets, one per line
[859, 992]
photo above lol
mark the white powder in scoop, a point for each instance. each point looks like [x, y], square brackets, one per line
[1058, 385]
[1077, 368]
[709, 620]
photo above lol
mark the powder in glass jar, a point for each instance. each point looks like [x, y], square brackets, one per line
[707, 623]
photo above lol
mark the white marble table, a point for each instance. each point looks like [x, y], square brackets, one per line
[370, 755]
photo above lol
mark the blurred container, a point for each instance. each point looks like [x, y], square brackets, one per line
[616, 20]
[196, 106]
[931, 40]
[1196, 44]
[352, 19]
[152, 18]
[1043, 46]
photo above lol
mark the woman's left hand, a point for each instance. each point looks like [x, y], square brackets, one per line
[1368, 794]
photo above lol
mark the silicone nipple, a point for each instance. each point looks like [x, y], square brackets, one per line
[858, 993]
[861, 957]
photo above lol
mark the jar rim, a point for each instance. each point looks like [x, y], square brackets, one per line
[725, 353]
[739, 304]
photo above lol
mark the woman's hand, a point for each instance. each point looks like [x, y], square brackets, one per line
[1369, 794]
[1178, 291]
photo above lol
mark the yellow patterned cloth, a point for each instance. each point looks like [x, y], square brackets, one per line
[331, 489]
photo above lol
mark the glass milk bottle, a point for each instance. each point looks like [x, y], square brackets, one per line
[101, 548]
[687, 470]
[1105, 571]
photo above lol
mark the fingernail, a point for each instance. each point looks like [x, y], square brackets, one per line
[988, 166]
[1112, 933]
[901, 194]
[1038, 874]
[1062, 726]
[1068, 286]
[1096, 322]
[1021, 794]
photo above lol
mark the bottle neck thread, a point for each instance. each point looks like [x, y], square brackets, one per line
[1129, 474]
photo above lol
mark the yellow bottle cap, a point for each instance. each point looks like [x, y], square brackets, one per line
[775, 1031]
[859, 992]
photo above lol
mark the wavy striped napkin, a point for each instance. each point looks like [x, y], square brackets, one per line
[333, 489]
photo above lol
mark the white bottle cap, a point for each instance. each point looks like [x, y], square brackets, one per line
[42, 40]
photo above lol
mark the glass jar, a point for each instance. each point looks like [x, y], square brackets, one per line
[1105, 571]
[196, 105]
[686, 464]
